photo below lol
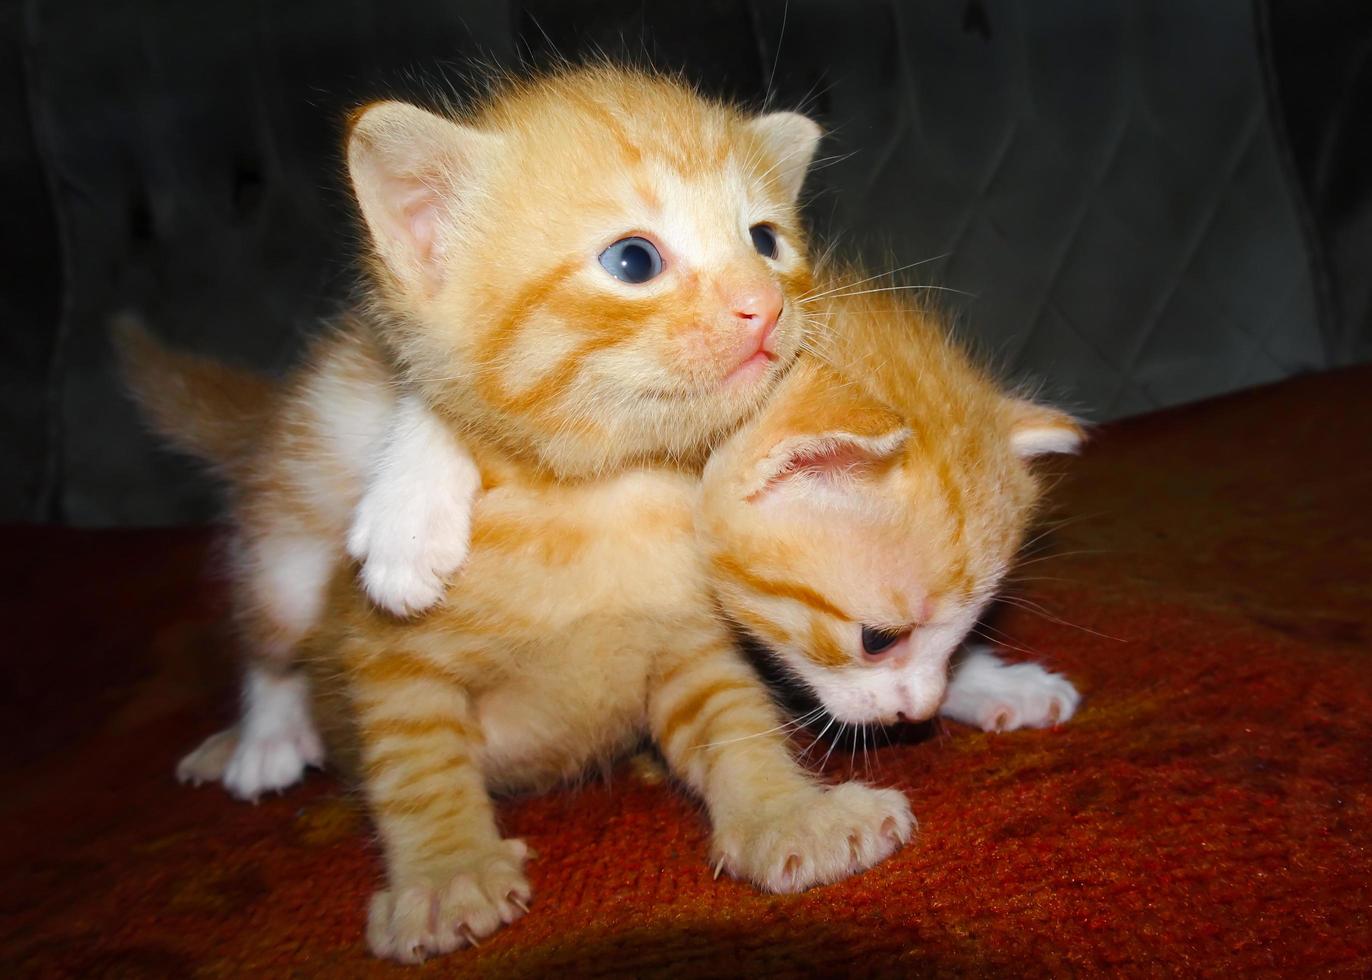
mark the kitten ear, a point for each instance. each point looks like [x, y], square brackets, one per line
[406, 167]
[828, 454]
[791, 139]
[1036, 430]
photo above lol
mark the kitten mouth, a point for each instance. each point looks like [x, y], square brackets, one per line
[753, 367]
[757, 363]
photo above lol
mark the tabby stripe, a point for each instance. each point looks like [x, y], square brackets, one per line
[416, 728]
[762, 629]
[823, 648]
[449, 801]
[448, 845]
[556, 543]
[952, 493]
[414, 697]
[686, 710]
[705, 659]
[556, 381]
[795, 591]
[397, 757]
[406, 776]
[394, 666]
[705, 730]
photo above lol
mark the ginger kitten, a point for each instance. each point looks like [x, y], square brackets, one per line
[855, 527]
[588, 271]
[876, 499]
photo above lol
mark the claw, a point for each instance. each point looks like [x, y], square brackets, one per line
[718, 868]
[888, 828]
[468, 934]
[515, 900]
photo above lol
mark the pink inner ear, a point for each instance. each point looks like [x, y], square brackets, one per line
[417, 206]
[830, 458]
[825, 456]
[820, 459]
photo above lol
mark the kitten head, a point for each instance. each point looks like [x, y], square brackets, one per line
[860, 525]
[596, 267]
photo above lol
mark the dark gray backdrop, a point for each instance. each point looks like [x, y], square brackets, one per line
[1148, 201]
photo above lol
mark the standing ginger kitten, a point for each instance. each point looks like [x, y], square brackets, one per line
[592, 270]
[856, 527]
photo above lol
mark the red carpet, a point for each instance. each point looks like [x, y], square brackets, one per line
[1208, 811]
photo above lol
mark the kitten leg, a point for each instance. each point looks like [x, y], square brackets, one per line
[773, 822]
[412, 528]
[990, 694]
[276, 735]
[451, 879]
[280, 577]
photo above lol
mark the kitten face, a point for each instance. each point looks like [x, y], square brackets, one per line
[600, 267]
[859, 542]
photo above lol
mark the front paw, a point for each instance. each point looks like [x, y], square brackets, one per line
[815, 837]
[428, 916]
[408, 550]
[995, 696]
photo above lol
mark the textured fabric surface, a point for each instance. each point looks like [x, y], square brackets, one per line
[1208, 811]
[1105, 179]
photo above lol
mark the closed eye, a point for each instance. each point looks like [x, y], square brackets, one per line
[876, 640]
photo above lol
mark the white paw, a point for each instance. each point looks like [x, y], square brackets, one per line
[409, 543]
[276, 736]
[268, 763]
[823, 836]
[998, 697]
[412, 528]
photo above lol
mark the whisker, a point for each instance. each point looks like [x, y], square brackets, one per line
[818, 738]
[895, 289]
[1036, 609]
[776, 58]
[1002, 642]
[1064, 554]
[891, 272]
[833, 745]
[800, 722]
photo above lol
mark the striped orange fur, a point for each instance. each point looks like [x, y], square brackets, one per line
[589, 615]
[883, 484]
[892, 474]
[622, 634]
[489, 309]
[500, 315]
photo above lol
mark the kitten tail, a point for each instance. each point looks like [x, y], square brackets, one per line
[206, 409]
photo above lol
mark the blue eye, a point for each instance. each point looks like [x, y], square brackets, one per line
[764, 240]
[632, 260]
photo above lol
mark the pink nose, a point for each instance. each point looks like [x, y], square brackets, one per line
[759, 307]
